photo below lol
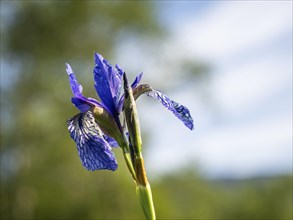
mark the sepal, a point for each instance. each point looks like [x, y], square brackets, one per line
[94, 151]
[180, 111]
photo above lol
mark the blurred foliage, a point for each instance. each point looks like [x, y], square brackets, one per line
[187, 196]
[41, 175]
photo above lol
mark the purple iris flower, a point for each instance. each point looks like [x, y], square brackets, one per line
[93, 143]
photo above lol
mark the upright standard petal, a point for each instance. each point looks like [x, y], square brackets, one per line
[79, 101]
[75, 86]
[107, 83]
[94, 151]
[137, 80]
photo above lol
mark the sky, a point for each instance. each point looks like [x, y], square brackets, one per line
[243, 116]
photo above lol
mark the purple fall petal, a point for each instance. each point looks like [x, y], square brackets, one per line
[178, 110]
[111, 141]
[94, 151]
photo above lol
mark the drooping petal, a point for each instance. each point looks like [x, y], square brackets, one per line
[107, 83]
[178, 110]
[94, 151]
[111, 141]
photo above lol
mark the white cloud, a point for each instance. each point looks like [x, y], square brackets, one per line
[242, 88]
[230, 27]
[248, 149]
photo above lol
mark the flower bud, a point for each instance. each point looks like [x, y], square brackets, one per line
[131, 117]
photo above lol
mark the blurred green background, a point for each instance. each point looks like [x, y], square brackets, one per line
[41, 175]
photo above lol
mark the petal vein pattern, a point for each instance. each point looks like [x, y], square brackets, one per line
[94, 151]
[180, 111]
[107, 83]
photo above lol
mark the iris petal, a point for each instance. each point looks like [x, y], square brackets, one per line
[118, 82]
[81, 102]
[178, 110]
[94, 151]
[111, 141]
[75, 86]
[107, 83]
[136, 81]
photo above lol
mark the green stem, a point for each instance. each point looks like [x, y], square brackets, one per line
[143, 188]
[144, 194]
[129, 164]
[127, 158]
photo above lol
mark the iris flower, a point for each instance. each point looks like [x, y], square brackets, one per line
[97, 128]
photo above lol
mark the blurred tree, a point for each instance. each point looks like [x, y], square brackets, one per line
[41, 176]
[186, 196]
